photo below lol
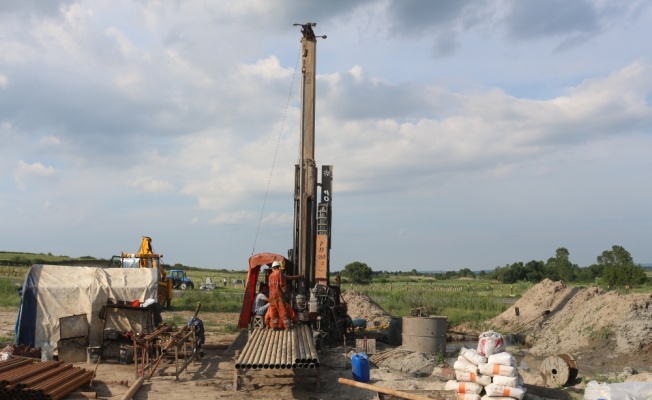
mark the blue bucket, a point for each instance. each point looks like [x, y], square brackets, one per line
[360, 363]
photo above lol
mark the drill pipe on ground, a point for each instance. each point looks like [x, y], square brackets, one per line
[55, 381]
[38, 378]
[63, 390]
[14, 363]
[27, 372]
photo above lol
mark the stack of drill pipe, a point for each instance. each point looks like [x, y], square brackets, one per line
[282, 360]
[252, 343]
[268, 349]
[47, 381]
[42, 376]
[293, 350]
[279, 350]
[10, 379]
[300, 356]
[257, 358]
[257, 344]
[310, 351]
[14, 363]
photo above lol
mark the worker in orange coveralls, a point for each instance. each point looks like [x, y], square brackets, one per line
[277, 286]
[277, 307]
[291, 314]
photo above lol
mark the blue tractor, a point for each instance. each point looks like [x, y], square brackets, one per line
[180, 280]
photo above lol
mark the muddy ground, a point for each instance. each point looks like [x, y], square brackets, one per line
[609, 336]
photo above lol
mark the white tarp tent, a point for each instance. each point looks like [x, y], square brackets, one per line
[51, 292]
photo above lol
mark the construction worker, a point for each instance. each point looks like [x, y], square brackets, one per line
[291, 314]
[261, 304]
[277, 286]
[288, 277]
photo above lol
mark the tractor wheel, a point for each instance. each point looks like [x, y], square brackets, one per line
[183, 286]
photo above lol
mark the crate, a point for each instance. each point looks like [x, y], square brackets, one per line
[126, 354]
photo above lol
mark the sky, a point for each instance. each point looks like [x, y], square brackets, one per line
[462, 134]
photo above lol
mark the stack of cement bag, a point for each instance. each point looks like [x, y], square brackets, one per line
[489, 370]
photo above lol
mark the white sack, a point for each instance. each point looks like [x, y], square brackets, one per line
[463, 387]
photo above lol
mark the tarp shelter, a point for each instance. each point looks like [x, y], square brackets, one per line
[51, 292]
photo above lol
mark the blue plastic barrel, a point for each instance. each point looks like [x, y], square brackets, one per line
[360, 363]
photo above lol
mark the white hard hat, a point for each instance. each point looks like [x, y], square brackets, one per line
[276, 264]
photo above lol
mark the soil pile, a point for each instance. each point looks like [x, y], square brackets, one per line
[601, 325]
[361, 306]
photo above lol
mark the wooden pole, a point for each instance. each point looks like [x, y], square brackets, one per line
[379, 389]
[133, 389]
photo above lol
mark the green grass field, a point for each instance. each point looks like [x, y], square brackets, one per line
[461, 300]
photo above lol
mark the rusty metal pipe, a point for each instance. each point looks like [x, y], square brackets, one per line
[69, 387]
[13, 363]
[39, 377]
[56, 380]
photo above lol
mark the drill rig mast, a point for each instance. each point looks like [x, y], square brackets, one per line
[310, 254]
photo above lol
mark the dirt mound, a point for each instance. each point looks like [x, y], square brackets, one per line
[361, 306]
[558, 319]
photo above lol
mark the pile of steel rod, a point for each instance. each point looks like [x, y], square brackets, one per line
[286, 349]
[31, 379]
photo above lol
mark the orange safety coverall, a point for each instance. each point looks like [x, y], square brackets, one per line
[291, 314]
[277, 308]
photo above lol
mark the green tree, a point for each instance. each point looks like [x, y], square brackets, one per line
[619, 268]
[560, 267]
[358, 272]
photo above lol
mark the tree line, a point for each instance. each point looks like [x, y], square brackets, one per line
[613, 267]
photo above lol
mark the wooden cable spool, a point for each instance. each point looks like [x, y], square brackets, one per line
[558, 370]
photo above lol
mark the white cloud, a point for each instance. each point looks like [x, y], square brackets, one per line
[24, 172]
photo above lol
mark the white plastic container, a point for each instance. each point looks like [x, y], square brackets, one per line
[47, 352]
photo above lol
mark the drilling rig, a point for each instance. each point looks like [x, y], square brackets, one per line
[315, 300]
